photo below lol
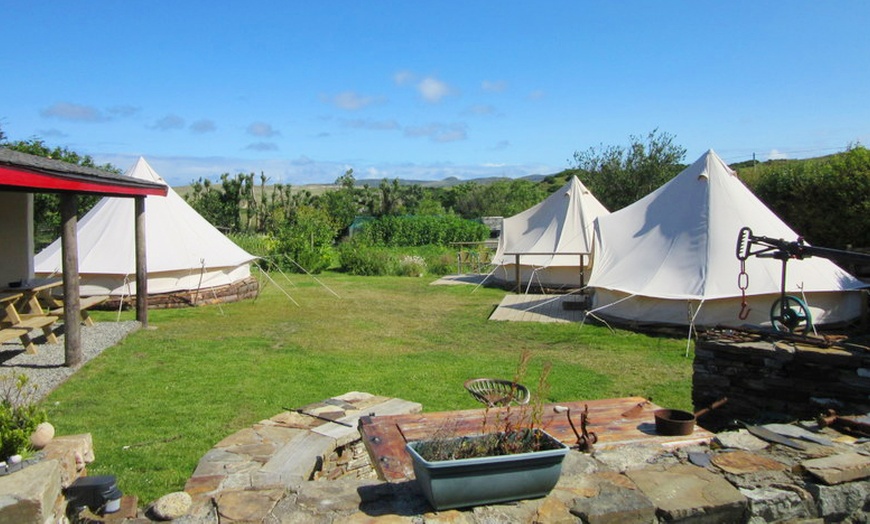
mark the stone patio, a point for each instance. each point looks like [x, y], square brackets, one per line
[266, 474]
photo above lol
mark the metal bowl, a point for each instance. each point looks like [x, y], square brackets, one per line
[671, 422]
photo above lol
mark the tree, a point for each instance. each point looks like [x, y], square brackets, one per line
[304, 241]
[46, 206]
[342, 204]
[824, 200]
[619, 176]
[500, 198]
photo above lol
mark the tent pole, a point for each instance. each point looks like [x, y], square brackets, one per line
[517, 273]
[141, 264]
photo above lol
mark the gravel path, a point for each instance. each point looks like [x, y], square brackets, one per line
[45, 370]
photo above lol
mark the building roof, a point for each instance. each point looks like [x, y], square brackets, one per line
[30, 173]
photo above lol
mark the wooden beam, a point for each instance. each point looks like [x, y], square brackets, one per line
[141, 264]
[72, 344]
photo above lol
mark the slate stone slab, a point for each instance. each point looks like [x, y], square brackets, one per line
[790, 430]
[690, 492]
[299, 456]
[615, 505]
[837, 469]
[740, 439]
[769, 504]
[29, 495]
[740, 462]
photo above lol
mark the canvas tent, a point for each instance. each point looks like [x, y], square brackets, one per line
[670, 257]
[185, 252]
[552, 240]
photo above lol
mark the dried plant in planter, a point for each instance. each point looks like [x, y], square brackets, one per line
[507, 431]
[512, 459]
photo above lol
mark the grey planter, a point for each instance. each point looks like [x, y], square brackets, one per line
[488, 480]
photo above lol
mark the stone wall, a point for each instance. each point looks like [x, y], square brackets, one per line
[762, 378]
[348, 461]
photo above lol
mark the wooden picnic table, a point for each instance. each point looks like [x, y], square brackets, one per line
[39, 297]
[616, 422]
[31, 291]
[23, 313]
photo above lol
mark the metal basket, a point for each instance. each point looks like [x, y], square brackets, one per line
[497, 392]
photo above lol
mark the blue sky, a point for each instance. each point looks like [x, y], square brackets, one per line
[420, 90]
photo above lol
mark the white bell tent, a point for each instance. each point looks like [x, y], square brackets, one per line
[670, 258]
[184, 251]
[551, 242]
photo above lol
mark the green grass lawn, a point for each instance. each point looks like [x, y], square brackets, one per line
[163, 397]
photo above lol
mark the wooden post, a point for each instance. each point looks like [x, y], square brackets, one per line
[517, 273]
[72, 343]
[141, 264]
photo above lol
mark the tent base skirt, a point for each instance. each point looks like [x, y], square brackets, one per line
[240, 290]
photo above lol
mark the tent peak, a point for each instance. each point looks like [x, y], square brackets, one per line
[143, 171]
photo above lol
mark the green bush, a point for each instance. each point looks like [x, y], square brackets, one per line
[824, 200]
[260, 245]
[421, 230]
[358, 258]
[19, 416]
[412, 266]
[306, 241]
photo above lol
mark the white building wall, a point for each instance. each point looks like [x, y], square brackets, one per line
[16, 237]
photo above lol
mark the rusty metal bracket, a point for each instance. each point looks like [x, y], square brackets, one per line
[585, 438]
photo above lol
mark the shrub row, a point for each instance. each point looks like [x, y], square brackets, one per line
[421, 230]
[359, 258]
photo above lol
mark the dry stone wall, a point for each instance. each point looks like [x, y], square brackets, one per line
[762, 378]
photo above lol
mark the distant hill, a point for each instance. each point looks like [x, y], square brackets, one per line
[552, 181]
[317, 189]
[447, 182]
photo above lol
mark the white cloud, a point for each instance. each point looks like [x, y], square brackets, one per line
[203, 126]
[433, 90]
[351, 100]
[496, 86]
[404, 77]
[776, 155]
[73, 112]
[262, 146]
[262, 129]
[438, 132]
[168, 122]
[481, 110]
[123, 111]
[374, 125]
[52, 133]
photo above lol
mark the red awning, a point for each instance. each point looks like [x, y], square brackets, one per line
[23, 172]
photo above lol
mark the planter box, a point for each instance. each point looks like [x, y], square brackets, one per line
[486, 480]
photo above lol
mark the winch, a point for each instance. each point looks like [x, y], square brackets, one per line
[788, 313]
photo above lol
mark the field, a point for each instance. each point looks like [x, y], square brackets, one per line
[162, 398]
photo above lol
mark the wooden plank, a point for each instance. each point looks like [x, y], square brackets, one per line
[84, 304]
[10, 333]
[612, 420]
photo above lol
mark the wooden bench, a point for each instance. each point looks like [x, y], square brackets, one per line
[9, 333]
[30, 322]
[85, 303]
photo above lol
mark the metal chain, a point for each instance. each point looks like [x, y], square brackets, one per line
[743, 284]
